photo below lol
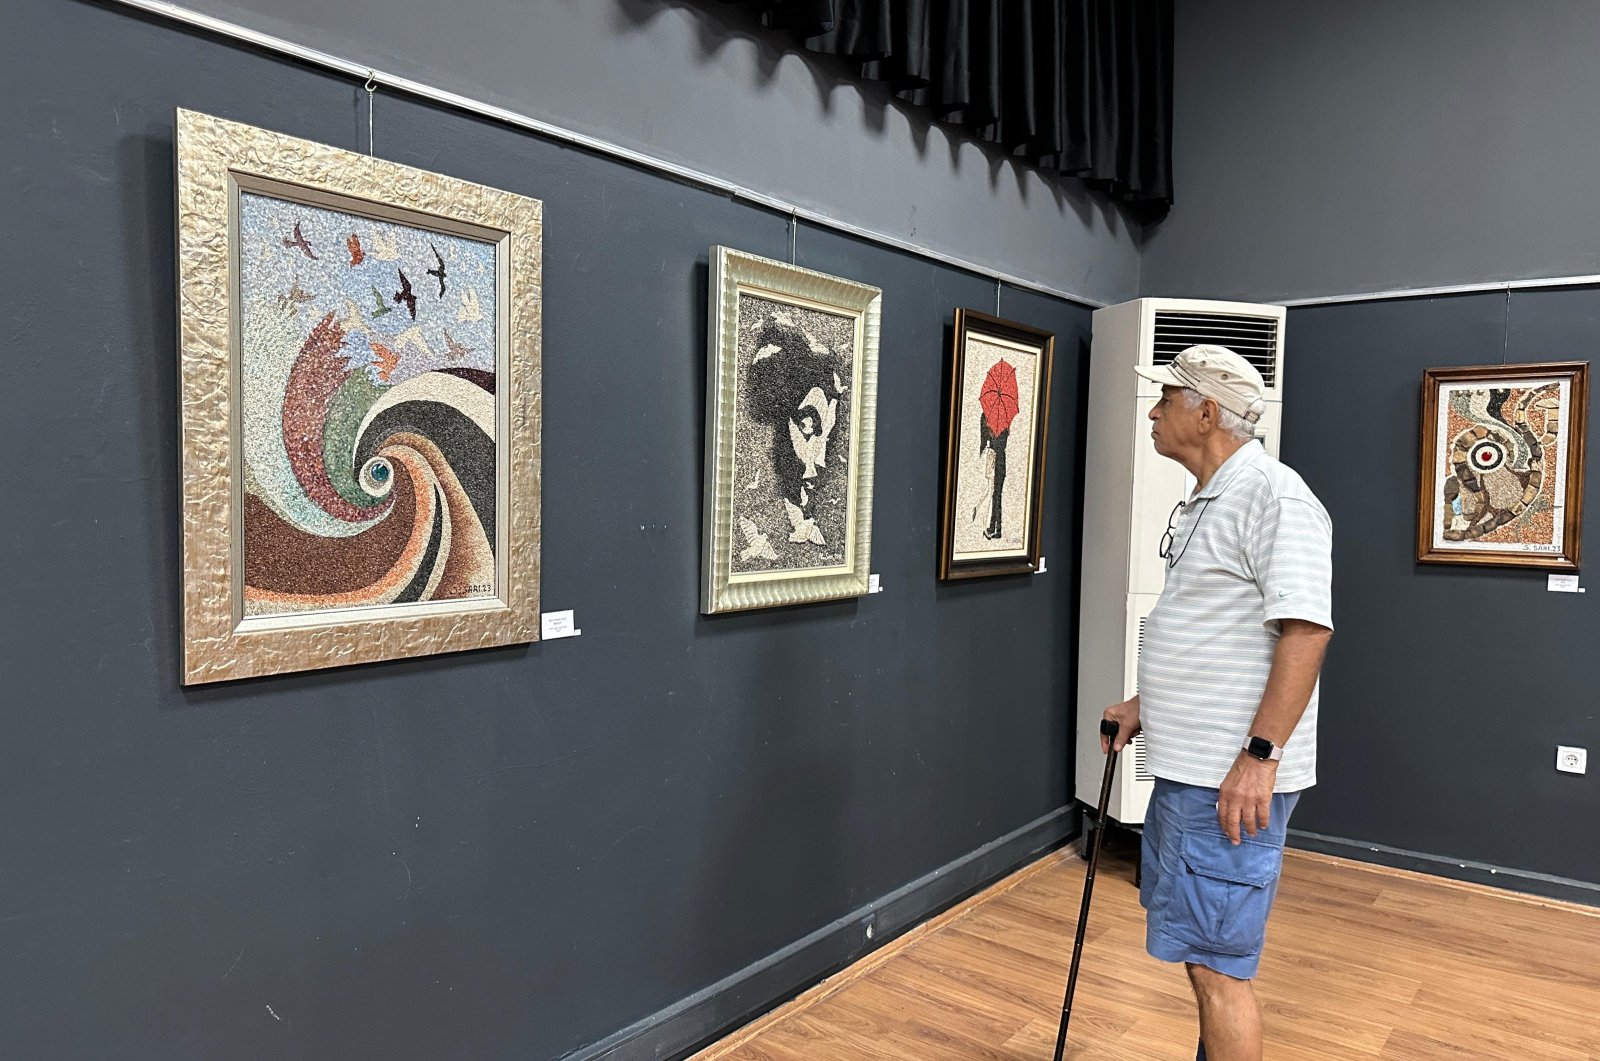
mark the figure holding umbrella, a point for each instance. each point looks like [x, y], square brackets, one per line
[998, 399]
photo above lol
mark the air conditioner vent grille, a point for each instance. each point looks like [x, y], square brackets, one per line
[1253, 338]
[1136, 749]
[1141, 762]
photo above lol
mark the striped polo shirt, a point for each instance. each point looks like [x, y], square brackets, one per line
[1253, 547]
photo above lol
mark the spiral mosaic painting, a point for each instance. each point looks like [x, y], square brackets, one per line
[367, 377]
[360, 395]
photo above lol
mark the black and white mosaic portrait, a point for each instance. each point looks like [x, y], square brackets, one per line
[792, 437]
[791, 398]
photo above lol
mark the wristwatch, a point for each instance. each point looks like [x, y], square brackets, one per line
[1263, 749]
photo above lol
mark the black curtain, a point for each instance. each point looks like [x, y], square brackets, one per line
[1080, 87]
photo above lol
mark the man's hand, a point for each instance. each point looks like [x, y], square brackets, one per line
[1246, 796]
[1126, 716]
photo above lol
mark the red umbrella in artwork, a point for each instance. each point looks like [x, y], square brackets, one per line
[999, 396]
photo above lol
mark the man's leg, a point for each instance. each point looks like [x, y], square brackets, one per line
[1230, 1021]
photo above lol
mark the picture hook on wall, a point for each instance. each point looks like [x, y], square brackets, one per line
[372, 94]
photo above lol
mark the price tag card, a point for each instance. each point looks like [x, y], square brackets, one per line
[553, 625]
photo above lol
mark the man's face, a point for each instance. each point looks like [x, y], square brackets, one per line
[1175, 428]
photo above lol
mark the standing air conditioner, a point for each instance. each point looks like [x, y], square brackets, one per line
[1130, 492]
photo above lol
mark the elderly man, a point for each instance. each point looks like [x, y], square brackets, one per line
[1227, 688]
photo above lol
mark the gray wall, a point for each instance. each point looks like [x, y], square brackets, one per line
[504, 854]
[1447, 689]
[1342, 146]
[681, 81]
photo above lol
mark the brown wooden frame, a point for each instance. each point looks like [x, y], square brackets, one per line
[972, 321]
[1574, 425]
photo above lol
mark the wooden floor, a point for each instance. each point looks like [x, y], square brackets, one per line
[1361, 962]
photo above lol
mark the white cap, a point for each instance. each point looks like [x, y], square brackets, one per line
[1217, 373]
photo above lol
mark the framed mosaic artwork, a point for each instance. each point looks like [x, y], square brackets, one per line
[791, 395]
[1502, 465]
[997, 428]
[359, 379]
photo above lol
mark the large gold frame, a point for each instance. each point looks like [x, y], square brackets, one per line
[217, 158]
[732, 273]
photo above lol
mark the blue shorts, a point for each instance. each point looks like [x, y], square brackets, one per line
[1207, 901]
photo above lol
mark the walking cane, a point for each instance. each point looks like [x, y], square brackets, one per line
[1108, 728]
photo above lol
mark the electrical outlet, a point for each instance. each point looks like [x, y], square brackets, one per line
[1572, 760]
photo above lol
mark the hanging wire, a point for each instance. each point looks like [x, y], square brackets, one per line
[372, 94]
[794, 229]
[1505, 331]
[997, 296]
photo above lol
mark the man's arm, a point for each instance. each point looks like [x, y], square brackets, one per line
[1296, 662]
[1246, 793]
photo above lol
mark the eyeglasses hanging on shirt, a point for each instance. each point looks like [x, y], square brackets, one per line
[1168, 539]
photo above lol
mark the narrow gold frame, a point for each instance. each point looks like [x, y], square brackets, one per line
[216, 159]
[1576, 427]
[733, 273]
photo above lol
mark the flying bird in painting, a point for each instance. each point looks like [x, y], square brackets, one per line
[352, 321]
[455, 350]
[295, 297]
[357, 255]
[412, 338]
[439, 272]
[385, 246]
[301, 242]
[760, 546]
[470, 310]
[386, 360]
[805, 527]
[405, 295]
[377, 297]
